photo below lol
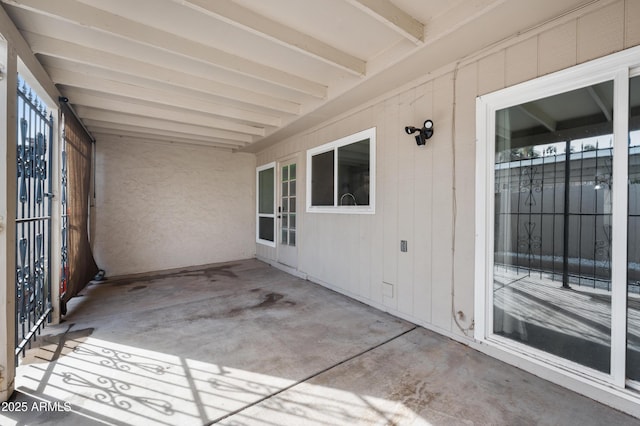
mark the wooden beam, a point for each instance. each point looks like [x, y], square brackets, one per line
[106, 135]
[236, 15]
[164, 97]
[140, 121]
[539, 115]
[80, 97]
[101, 20]
[178, 76]
[114, 128]
[599, 100]
[9, 32]
[393, 17]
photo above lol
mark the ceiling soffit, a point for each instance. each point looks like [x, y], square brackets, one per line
[244, 74]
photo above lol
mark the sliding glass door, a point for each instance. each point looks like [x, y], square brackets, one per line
[558, 220]
[552, 244]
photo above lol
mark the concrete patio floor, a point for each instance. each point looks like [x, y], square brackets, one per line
[243, 343]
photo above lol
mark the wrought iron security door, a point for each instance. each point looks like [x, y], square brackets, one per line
[33, 217]
[559, 215]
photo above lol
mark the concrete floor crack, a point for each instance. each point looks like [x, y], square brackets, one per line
[312, 376]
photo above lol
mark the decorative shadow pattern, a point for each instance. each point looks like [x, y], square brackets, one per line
[119, 360]
[115, 393]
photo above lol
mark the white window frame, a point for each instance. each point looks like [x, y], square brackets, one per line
[334, 145]
[259, 169]
[619, 68]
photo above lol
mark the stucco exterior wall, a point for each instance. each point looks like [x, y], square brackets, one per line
[426, 195]
[162, 206]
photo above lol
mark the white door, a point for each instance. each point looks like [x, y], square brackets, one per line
[287, 214]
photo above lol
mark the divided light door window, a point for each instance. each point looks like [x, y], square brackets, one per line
[288, 197]
[558, 260]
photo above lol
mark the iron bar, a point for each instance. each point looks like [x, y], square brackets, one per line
[33, 217]
[565, 248]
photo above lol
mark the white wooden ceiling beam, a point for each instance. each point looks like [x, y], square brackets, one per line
[164, 97]
[105, 135]
[83, 55]
[539, 115]
[80, 97]
[599, 100]
[393, 17]
[21, 46]
[101, 20]
[124, 129]
[240, 109]
[234, 14]
[140, 121]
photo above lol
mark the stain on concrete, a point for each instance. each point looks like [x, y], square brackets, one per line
[413, 394]
[215, 271]
[269, 300]
[211, 273]
[138, 287]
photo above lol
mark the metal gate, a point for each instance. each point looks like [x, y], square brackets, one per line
[554, 214]
[33, 217]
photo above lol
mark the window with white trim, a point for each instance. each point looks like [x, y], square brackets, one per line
[341, 175]
[557, 250]
[265, 204]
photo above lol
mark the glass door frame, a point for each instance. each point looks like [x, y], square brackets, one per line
[618, 68]
[287, 253]
[272, 213]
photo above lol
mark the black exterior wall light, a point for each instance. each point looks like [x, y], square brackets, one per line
[424, 133]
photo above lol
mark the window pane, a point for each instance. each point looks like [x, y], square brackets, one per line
[633, 271]
[284, 237]
[353, 174]
[552, 242]
[292, 187]
[322, 179]
[292, 172]
[265, 231]
[292, 238]
[285, 173]
[292, 221]
[292, 204]
[265, 191]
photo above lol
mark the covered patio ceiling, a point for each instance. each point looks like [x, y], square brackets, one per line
[244, 74]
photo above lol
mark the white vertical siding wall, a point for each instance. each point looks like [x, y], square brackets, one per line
[426, 195]
[162, 206]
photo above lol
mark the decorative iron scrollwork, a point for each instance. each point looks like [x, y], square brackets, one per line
[33, 216]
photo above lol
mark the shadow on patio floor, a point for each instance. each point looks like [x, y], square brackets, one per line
[253, 345]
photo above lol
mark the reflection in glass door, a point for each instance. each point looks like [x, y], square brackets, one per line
[552, 242]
